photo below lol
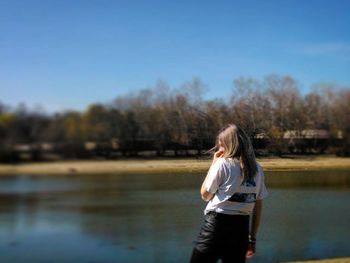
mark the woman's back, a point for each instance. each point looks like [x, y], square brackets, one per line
[233, 194]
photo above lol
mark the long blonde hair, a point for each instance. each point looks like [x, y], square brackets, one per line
[237, 144]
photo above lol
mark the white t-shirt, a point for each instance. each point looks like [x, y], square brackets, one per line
[232, 195]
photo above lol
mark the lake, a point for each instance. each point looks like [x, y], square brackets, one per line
[156, 218]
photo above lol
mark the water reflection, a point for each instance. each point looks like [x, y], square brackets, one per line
[155, 218]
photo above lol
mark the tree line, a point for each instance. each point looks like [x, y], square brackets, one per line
[162, 121]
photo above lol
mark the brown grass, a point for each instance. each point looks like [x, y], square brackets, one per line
[166, 166]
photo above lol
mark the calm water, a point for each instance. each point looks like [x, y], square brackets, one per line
[156, 218]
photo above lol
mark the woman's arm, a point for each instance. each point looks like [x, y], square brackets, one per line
[207, 196]
[256, 216]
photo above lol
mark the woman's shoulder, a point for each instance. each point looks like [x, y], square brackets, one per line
[258, 165]
[259, 169]
[230, 162]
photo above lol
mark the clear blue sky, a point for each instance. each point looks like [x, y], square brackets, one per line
[67, 54]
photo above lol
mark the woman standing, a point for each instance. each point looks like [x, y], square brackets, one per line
[234, 187]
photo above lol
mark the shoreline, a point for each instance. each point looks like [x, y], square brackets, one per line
[166, 166]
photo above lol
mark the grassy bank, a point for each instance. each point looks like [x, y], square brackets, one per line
[167, 166]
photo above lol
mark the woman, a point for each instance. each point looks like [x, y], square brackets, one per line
[234, 187]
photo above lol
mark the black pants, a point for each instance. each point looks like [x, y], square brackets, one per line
[222, 237]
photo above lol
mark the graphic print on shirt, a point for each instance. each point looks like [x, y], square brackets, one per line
[245, 197]
[248, 183]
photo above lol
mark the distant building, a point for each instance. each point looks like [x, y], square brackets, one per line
[307, 134]
[22, 147]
